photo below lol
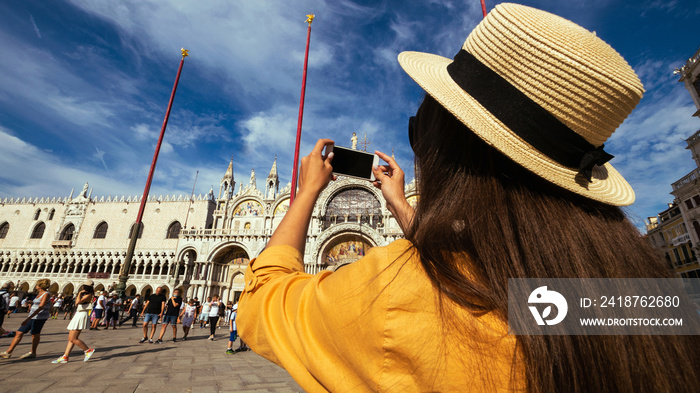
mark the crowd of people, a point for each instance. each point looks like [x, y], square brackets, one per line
[95, 310]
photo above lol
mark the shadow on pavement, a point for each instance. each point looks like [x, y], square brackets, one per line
[129, 353]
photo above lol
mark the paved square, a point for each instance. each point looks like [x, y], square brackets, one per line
[121, 364]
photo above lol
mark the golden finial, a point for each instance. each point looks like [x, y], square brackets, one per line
[185, 52]
[310, 18]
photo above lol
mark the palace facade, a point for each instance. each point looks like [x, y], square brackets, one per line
[201, 245]
[676, 230]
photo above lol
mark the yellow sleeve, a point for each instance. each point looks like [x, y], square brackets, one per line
[326, 329]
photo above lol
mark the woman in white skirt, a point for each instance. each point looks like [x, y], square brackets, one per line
[80, 322]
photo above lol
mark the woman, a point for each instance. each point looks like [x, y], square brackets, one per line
[38, 314]
[430, 313]
[204, 314]
[187, 317]
[14, 300]
[57, 307]
[69, 307]
[215, 308]
[80, 322]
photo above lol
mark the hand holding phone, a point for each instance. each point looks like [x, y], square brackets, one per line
[316, 170]
[390, 179]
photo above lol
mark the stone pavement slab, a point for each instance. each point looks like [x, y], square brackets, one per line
[121, 364]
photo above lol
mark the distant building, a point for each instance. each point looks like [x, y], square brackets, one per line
[676, 230]
[201, 246]
[690, 76]
[669, 233]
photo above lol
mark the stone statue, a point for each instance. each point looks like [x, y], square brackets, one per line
[84, 192]
[252, 178]
[354, 141]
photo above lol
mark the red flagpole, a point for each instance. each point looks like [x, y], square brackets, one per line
[124, 271]
[295, 170]
[483, 8]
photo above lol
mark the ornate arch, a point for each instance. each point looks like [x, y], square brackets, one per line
[62, 288]
[185, 250]
[344, 229]
[279, 204]
[224, 245]
[131, 288]
[235, 207]
[22, 284]
[142, 290]
[344, 184]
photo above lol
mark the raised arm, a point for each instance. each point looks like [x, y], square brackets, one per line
[316, 172]
[390, 179]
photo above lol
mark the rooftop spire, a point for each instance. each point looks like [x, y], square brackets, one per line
[273, 171]
[229, 171]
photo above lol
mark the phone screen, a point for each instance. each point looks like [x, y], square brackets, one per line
[352, 162]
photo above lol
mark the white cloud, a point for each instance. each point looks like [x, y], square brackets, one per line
[252, 42]
[36, 29]
[30, 171]
[650, 150]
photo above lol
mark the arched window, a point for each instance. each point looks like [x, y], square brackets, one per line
[174, 230]
[67, 233]
[4, 228]
[100, 231]
[38, 231]
[51, 213]
[131, 230]
[36, 215]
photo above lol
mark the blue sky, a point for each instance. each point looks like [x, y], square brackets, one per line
[84, 86]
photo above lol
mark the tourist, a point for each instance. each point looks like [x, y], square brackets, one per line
[114, 307]
[4, 306]
[215, 307]
[430, 313]
[98, 311]
[80, 322]
[68, 307]
[204, 313]
[172, 311]
[57, 306]
[38, 314]
[242, 347]
[153, 308]
[233, 332]
[133, 311]
[14, 301]
[187, 317]
[24, 304]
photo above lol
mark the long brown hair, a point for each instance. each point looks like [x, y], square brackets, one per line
[509, 223]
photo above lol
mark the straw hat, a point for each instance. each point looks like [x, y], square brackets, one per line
[542, 90]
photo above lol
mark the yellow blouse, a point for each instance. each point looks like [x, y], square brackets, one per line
[373, 325]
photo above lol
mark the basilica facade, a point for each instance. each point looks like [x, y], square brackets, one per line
[200, 245]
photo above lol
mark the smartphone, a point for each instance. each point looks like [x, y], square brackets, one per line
[353, 163]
